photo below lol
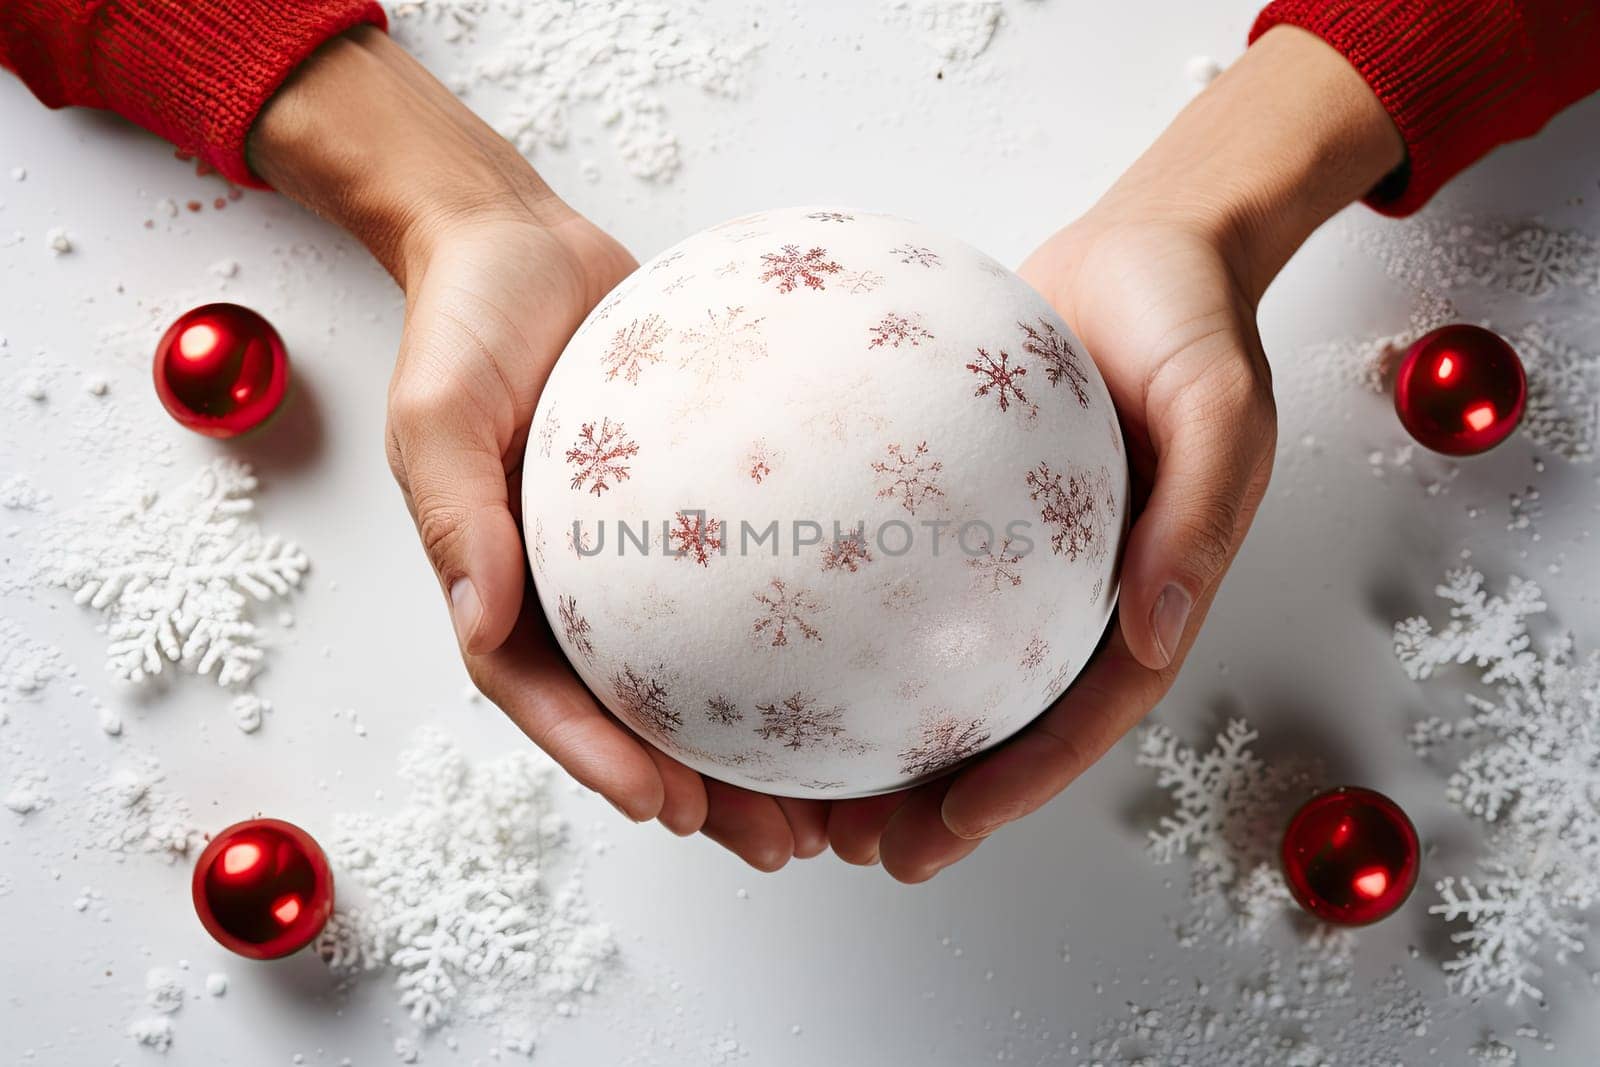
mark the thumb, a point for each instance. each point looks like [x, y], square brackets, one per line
[1214, 442]
[454, 482]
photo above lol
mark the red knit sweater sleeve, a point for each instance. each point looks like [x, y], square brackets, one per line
[1459, 77]
[195, 72]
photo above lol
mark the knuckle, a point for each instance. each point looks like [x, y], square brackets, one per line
[441, 527]
[1208, 536]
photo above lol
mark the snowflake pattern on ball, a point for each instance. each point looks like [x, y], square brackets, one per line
[1033, 654]
[548, 429]
[174, 575]
[633, 348]
[695, 537]
[574, 627]
[787, 609]
[911, 479]
[917, 255]
[792, 268]
[722, 711]
[758, 462]
[1061, 361]
[995, 569]
[723, 346]
[831, 216]
[1078, 512]
[798, 721]
[944, 740]
[894, 330]
[1531, 773]
[598, 456]
[847, 553]
[644, 700]
[861, 281]
[999, 378]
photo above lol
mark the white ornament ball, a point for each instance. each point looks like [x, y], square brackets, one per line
[822, 503]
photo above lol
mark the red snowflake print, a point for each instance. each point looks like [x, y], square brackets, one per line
[728, 269]
[1061, 361]
[893, 330]
[575, 628]
[722, 711]
[922, 257]
[911, 479]
[548, 430]
[538, 546]
[831, 216]
[723, 346]
[945, 741]
[581, 545]
[693, 536]
[799, 722]
[860, 281]
[1058, 681]
[644, 701]
[847, 553]
[791, 268]
[996, 568]
[1078, 511]
[634, 347]
[598, 455]
[667, 260]
[677, 283]
[758, 462]
[786, 609]
[1000, 380]
[1033, 655]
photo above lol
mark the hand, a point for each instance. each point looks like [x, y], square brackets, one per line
[498, 273]
[1161, 280]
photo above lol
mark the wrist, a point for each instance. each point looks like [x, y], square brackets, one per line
[1279, 143]
[363, 135]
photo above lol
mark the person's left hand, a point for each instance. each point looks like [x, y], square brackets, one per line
[1158, 307]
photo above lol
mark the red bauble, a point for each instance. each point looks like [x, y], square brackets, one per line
[263, 888]
[1461, 390]
[1350, 856]
[221, 369]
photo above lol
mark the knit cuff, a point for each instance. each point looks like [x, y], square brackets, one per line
[1444, 72]
[197, 74]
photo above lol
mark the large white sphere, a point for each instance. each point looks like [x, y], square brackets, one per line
[807, 368]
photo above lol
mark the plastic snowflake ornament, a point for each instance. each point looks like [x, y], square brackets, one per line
[842, 501]
[1460, 390]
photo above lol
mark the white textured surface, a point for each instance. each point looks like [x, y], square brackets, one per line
[816, 472]
[822, 963]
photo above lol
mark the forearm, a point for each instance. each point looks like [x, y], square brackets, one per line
[363, 135]
[1286, 137]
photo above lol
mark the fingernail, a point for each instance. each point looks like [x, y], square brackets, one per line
[466, 610]
[1168, 618]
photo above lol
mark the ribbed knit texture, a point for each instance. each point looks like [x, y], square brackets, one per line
[1459, 77]
[195, 72]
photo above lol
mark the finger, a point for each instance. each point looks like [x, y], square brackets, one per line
[530, 680]
[916, 842]
[750, 825]
[1214, 429]
[808, 825]
[855, 827]
[454, 478]
[1114, 692]
[683, 806]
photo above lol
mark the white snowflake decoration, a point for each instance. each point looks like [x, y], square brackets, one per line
[461, 900]
[174, 575]
[1532, 774]
[1231, 805]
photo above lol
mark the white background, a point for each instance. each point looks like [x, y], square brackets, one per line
[842, 107]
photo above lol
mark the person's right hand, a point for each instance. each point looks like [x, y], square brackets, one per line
[498, 273]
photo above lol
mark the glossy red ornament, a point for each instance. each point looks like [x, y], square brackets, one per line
[263, 888]
[1460, 390]
[1350, 856]
[221, 370]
